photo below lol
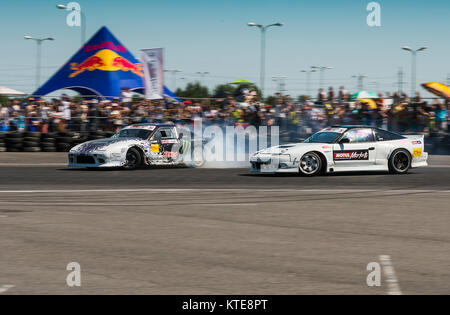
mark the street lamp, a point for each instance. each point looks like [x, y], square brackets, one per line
[308, 78]
[38, 56]
[263, 29]
[83, 21]
[413, 66]
[174, 79]
[322, 70]
[202, 75]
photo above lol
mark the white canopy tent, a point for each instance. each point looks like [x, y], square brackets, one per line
[10, 92]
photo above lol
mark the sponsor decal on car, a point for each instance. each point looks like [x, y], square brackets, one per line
[331, 129]
[417, 152]
[171, 154]
[416, 142]
[168, 141]
[351, 155]
[155, 148]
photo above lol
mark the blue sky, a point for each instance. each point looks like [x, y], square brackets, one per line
[200, 35]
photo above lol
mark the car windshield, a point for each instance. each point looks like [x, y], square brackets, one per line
[323, 137]
[133, 133]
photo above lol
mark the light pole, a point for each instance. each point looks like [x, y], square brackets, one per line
[174, 79]
[280, 82]
[360, 80]
[263, 29]
[202, 75]
[322, 74]
[38, 56]
[83, 21]
[308, 78]
[413, 66]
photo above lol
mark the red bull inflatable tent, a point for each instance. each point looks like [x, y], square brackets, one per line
[102, 67]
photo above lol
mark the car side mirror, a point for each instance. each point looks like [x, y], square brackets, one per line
[345, 140]
[180, 136]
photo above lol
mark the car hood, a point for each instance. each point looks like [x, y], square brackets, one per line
[104, 144]
[286, 148]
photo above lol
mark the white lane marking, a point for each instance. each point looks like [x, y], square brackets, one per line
[393, 287]
[221, 168]
[33, 164]
[223, 190]
[5, 288]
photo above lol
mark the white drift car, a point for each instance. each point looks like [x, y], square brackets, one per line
[343, 149]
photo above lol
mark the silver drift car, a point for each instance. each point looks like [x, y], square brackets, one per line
[136, 145]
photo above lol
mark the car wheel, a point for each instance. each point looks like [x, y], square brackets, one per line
[197, 158]
[310, 164]
[400, 161]
[133, 159]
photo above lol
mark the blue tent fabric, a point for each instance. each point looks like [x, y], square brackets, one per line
[102, 67]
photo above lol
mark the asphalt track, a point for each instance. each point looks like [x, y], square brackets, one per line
[220, 231]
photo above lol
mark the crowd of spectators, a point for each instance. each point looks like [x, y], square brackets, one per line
[296, 117]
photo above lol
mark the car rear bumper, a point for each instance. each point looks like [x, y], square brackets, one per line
[420, 161]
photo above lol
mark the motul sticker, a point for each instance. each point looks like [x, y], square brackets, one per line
[351, 155]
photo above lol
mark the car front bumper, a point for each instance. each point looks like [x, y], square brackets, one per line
[273, 163]
[94, 160]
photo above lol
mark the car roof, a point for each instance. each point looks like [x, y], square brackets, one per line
[353, 126]
[150, 126]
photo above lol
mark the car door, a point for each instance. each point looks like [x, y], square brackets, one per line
[355, 149]
[170, 143]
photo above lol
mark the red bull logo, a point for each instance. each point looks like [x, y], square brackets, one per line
[106, 60]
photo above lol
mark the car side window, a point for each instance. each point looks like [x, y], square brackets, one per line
[167, 133]
[157, 135]
[383, 135]
[359, 135]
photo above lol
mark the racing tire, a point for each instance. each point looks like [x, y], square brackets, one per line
[399, 162]
[49, 135]
[133, 159]
[32, 134]
[63, 147]
[48, 140]
[14, 145]
[64, 139]
[31, 149]
[47, 144]
[197, 158]
[30, 144]
[14, 134]
[310, 164]
[14, 140]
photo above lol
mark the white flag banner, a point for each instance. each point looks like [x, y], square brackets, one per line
[152, 60]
